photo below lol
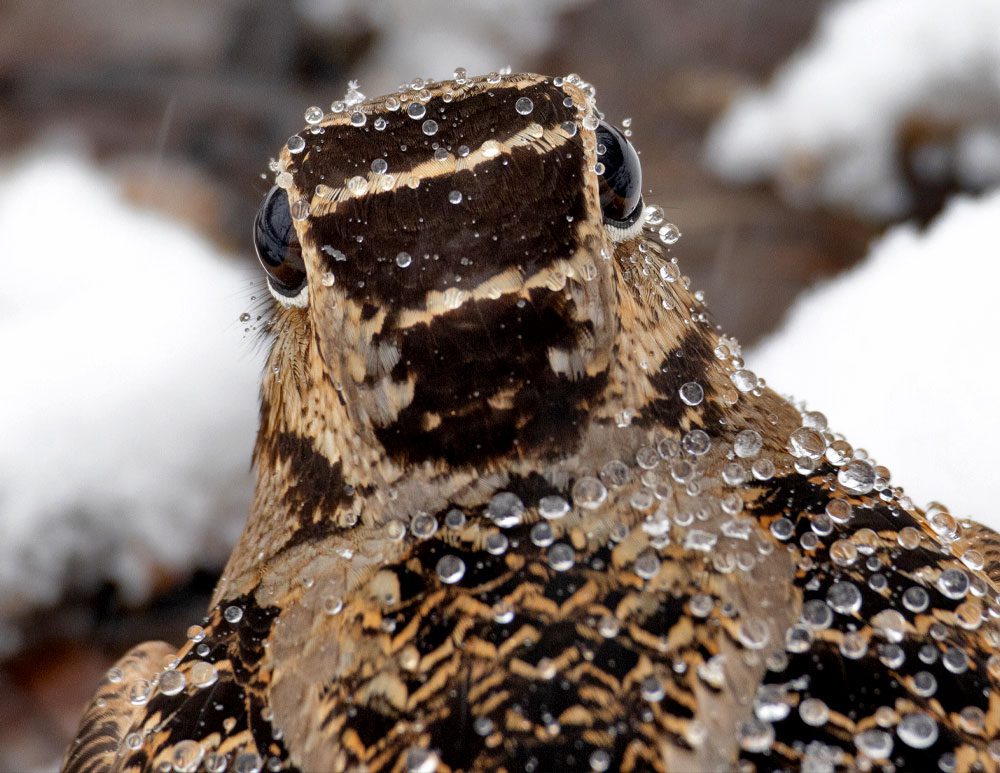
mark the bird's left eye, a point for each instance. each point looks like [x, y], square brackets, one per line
[620, 176]
[277, 245]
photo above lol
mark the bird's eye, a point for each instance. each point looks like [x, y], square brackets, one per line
[277, 246]
[620, 177]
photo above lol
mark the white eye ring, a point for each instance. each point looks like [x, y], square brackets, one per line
[623, 234]
[299, 301]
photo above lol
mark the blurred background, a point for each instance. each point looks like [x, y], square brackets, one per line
[832, 166]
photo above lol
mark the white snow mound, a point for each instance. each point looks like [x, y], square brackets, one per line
[128, 402]
[826, 128]
[897, 352]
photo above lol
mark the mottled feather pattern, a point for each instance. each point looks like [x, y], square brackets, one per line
[521, 507]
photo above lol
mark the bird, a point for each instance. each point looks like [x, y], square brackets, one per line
[521, 505]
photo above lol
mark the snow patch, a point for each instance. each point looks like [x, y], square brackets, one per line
[897, 352]
[828, 124]
[128, 403]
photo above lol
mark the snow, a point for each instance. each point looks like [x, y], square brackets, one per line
[827, 126]
[429, 39]
[128, 403]
[898, 354]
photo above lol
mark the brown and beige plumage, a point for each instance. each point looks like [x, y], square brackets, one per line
[520, 506]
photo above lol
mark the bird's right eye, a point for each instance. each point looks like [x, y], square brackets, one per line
[620, 177]
[277, 246]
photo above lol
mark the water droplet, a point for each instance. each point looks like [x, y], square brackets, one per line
[843, 552]
[756, 736]
[395, 529]
[669, 272]
[805, 442]
[600, 760]
[358, 118]
[203, 674]
[233, 614]
[429, 127]
[423, 526]
[172, 682]
[614, 473]
[647, 564]
[133, 741]
[734, 474]
[669, 233]
[858, 477]
[416, 110]
[874, 743]
[568, 128]
[748, 443]
[561, 557]
[744, 380]
[844, 597]
[699, 539]
[505, 509]
[497, 544]
[754, 633]
[839, 510]
[314, 115]
[357, 185]
[608, 626]
[299, 209]
[454, 519]
[404, 259]
[955, 661]
[524, 106]
[247, 762]
[296, 144]
[589, 492]
[541, 534]
[186, 756]
[215, 762]
[814, 712]
[696, 442]
[916, 599]
[917, 730]
[646, 457]
[552, 507]
[455, 197]
[953, 583]
[490, 149]
[771, 703]
[653, 214]
[816, 614]
[691, 393]
[139, 691]
[450, 569]
[924, 684]
[798, 638]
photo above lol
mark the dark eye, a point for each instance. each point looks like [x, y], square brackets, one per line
[621, 178]
[277, 246]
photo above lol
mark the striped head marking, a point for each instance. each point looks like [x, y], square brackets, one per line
[451, 246]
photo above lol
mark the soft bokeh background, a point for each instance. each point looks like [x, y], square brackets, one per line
[790, 140]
